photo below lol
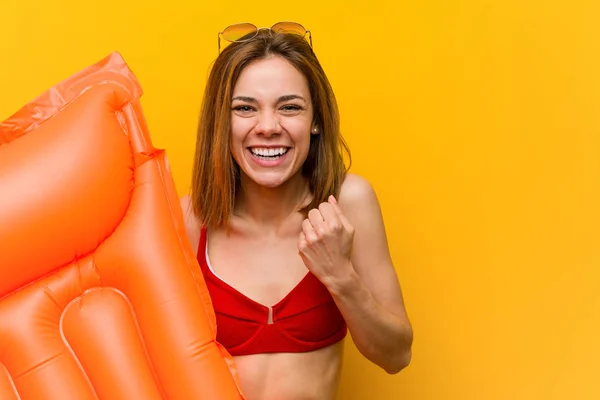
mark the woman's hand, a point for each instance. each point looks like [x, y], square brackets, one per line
[325, 243]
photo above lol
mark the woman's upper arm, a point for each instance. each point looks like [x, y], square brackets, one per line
[370, 253]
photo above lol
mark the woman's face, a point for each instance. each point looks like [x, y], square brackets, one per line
[271, 117]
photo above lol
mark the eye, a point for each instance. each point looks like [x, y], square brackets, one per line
[291, 107]
[243, 108]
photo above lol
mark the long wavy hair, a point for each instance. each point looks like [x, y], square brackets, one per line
[215, 177]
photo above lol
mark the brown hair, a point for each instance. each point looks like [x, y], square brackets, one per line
[215, 177]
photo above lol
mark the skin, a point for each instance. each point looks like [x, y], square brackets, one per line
[275, 246]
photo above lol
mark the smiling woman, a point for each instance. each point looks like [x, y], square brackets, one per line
[271, 97]
[290, 269]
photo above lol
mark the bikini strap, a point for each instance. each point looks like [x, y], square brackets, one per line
[201, 254]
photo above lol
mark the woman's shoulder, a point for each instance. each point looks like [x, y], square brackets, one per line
[188, 210]
[186, 206]
[185, 201]
[191, 221]
[356, 192]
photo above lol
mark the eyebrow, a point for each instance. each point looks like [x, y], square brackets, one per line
[281, 99]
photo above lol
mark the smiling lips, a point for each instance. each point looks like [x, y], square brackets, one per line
[268, 156]
[269, 153]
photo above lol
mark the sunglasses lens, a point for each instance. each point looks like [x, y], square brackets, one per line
[289, 27]
[239, 31]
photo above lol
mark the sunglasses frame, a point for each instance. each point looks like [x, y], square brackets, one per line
[257, 29]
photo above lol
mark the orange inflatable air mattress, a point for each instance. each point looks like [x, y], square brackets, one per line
[100, 293]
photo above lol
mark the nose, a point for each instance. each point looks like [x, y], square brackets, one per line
[268, 124]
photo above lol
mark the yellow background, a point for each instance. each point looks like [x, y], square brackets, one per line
[477, 123]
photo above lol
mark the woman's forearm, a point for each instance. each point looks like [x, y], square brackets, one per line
[380, 335]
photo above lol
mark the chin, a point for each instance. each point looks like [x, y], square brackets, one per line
[269, 178]
[269, 181]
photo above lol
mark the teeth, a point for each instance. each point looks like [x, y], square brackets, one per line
[261, 151]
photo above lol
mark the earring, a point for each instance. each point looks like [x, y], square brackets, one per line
[315, 130]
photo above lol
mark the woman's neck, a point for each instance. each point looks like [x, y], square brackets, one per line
[270, 207]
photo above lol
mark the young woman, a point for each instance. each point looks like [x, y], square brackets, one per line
[293, 249]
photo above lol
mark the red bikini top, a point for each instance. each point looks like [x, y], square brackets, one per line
[306, 319]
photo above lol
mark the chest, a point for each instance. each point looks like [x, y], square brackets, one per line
[262, 268]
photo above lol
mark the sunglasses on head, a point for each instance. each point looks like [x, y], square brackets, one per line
[245, 31]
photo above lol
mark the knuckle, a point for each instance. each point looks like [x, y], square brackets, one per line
[321, 230]
[335, 227]
[309, 234]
